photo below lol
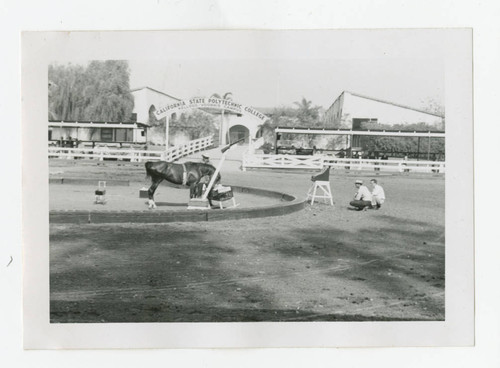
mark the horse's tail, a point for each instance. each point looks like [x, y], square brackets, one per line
[148, 165]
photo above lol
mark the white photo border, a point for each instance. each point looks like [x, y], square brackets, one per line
[39, 49]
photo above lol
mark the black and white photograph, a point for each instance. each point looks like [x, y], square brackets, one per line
[276, 212]
[248, 179]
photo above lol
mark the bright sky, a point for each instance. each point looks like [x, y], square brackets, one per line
[275, 68]
[273, 82]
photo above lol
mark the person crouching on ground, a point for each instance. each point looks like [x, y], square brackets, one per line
[362, 198]
[378, 194]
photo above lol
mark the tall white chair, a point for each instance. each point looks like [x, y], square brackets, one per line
[320, 187]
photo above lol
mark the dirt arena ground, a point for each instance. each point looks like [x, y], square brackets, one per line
[320, 264]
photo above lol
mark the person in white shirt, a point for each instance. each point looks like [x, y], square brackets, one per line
[378, 194]
[362, 198]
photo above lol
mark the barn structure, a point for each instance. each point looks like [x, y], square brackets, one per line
[351, 110]
[74, 133]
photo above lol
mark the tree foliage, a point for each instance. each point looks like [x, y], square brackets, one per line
[307, 114]
[98, 92]
[196, 123]
[303, 114]
[400, 146]
[225, 96]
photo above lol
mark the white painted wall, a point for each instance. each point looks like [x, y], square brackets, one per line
[348, 106]
[251, 123]
[144, 98]
[359, 107]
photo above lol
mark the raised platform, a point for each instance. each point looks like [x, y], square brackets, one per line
[170, 212]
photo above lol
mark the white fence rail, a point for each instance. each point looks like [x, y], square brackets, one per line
[318, 162]
[386, 165]
[102, 153]
[281, 161]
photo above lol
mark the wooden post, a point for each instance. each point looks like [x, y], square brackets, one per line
[276, 143]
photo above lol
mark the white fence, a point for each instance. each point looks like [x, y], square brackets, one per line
[281, 161]
[318, 162]
[102, 153]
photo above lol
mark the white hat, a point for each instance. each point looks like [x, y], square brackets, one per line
[358, 182]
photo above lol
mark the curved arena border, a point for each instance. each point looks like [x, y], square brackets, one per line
[287, 205]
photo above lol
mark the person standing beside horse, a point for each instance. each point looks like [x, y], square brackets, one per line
[362, 198]
[205, 159]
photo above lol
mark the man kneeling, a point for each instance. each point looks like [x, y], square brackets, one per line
[362, 198]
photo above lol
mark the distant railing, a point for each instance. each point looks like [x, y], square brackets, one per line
[318, 162]
[385, 165]
[133, 155]
[281, 161]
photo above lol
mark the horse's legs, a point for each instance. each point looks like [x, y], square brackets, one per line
[156, 180]
[193, 191]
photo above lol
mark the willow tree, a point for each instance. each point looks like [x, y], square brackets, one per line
[98, 92]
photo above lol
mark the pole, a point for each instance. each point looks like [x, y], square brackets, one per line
[429, 149]
[222, 128]
[276, 143]
[214, 177]
[418, 149]
[217, 170]
[167, 118]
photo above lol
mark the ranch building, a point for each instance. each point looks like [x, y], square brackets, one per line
[350, 110]
[76, 133]
[145, 128]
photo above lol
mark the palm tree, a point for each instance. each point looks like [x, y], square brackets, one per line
[222, 131]
[307, 114]
[225, 96]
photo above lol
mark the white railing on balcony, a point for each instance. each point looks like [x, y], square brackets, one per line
[133, 155]
[319, 161]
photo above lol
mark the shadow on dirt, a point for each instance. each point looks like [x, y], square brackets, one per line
[399, 262]
[79, 312]
[186, 273]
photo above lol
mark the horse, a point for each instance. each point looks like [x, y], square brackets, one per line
[188, 173]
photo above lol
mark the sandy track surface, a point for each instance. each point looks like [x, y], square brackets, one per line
[323, 263]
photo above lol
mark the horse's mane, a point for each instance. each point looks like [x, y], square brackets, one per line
[202, 166]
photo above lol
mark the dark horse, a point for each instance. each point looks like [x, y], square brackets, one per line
[188, 173]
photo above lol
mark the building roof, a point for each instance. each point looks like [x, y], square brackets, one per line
[393, 103]
[370, 132]
[96, 124]
[390, 103]
[155, 90]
